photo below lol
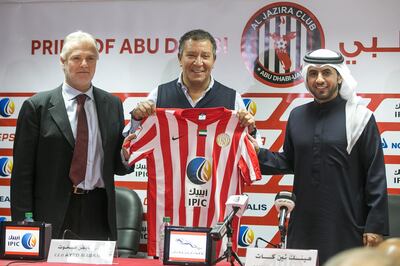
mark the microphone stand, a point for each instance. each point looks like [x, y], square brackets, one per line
[229, 254]
[282, 227]
[283, 238]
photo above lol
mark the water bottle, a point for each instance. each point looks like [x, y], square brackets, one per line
[166, 222]
[28, 218]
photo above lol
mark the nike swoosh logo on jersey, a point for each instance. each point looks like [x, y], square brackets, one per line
[175, 138]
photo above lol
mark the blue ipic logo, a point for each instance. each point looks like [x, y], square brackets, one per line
[199, 171]
[251, 106]
[246, 236]
[6, 166]
[29, 241]
[7, 107]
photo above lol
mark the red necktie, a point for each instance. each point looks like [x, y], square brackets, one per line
[77, 171]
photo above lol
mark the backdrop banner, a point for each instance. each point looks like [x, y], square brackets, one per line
[260, 49]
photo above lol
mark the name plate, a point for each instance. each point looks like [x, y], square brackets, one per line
[81, 251]
[281, 257]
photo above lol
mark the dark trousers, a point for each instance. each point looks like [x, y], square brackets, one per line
[86, 217]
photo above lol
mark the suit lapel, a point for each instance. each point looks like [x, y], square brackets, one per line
[59, 114]
[102, 106]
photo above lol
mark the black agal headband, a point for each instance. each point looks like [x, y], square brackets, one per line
[308, 58]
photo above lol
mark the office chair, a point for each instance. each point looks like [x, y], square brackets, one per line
[129, 221]
[394, 215]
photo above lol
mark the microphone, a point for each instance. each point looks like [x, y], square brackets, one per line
[238, 203]
[284, 203]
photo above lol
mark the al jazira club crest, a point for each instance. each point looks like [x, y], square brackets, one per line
[276, 38]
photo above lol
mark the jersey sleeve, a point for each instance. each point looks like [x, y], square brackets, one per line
[143, 144]
[248, 162]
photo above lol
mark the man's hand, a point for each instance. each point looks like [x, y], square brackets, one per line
[143, 110]
[126, 144]
[371, 239]
[254, 142]
[246, 119]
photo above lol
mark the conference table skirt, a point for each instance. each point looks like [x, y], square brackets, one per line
[117, 261]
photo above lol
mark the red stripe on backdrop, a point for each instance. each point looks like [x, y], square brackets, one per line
[376, 99]
[167, 161]
[272, 186]
[5, 181]
[8, 122]
[5, 212]
[131, 185]
[394, 190]
[388, 126]
[16, 94]
[183, 154]
[6, 152]
[123, 95]
[392, 159]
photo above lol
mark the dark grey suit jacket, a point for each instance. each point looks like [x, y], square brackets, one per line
[43, 149]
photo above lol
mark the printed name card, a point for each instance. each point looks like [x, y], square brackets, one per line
[81, 251]
[281, 257]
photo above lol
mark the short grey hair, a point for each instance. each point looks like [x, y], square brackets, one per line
[74, 38]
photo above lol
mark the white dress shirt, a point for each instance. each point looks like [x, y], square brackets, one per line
[95, 157]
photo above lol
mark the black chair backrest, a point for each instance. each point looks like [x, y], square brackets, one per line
[129, 221]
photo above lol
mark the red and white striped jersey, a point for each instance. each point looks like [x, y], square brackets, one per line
[196, 159]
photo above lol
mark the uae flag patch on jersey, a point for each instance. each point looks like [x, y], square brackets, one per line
[203, 132]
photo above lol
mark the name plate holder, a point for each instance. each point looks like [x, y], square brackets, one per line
[81, 251]
[20, 240]
[281, 257]
[188, 246]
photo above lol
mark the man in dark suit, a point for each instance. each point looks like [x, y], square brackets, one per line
[67, 149]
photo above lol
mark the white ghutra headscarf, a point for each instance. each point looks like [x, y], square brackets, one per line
[357, 115]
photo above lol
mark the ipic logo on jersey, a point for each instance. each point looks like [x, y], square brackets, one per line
[7, 107]
[199, 172]
[6, 166]
[246, 236]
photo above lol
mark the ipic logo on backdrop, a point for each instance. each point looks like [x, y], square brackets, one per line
[6, 166]
[275, 40]
[246, 236]
[7, 107]
[251, 106]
